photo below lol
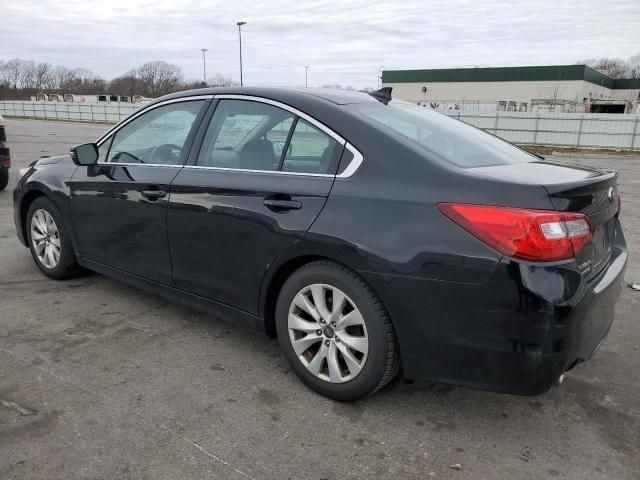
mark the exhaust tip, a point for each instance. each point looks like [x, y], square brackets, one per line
[560, 379]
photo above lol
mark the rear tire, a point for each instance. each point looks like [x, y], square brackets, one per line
[49, 241]
[4, 178]
[335, 332]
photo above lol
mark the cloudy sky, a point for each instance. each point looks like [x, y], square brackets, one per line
[342, 42]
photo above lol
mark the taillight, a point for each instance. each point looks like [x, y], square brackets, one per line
[534, 235]
[619, 205]
[5, 157]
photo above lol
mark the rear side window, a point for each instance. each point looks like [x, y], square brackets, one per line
[310, 150]
[452, 140]
[239, 136]
[248, 135]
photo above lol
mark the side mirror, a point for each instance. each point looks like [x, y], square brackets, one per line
[86, 154]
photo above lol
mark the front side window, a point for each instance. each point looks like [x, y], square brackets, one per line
[248, 135]
[452, 140]
[155, 137]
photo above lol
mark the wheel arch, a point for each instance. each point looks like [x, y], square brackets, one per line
[27, 200]
[272, 284]
[278, 274]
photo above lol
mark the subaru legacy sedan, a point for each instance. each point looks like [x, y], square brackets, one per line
[371, 236]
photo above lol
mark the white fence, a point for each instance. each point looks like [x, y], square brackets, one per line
[84, 112]
[589, 130]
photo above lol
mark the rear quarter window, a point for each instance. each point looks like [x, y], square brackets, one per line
[449, 139]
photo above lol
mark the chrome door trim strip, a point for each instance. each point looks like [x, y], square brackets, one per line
[123, 164]
[270, 172]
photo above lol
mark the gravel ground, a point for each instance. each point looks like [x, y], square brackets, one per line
[101, 381]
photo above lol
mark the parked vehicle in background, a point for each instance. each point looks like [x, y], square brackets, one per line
[370, 236]
[5, 156]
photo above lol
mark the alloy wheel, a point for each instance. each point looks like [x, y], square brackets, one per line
[328, 333]
[45, 238]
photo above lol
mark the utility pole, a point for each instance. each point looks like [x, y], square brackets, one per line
[204, 65]
[240, 37]
[380, 68]
[306, 71]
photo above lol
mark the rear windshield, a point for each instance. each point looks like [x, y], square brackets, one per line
[452, 140]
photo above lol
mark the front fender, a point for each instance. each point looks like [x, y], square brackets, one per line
[49, 177]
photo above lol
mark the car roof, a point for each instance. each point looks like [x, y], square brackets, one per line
[283, 94]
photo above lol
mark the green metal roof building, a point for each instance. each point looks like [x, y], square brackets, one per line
[577, 88]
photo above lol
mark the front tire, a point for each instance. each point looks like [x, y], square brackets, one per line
[49, 241]
[335, 332]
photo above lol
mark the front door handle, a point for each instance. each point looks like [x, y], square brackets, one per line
[278, 205]
[153, 194]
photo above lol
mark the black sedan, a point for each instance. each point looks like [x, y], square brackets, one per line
[371, 236]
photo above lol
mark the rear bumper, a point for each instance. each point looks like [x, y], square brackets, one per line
[516, 333]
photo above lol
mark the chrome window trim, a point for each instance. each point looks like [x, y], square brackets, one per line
[349, 170]
[128, 120]
[354, 164]
[288, 108]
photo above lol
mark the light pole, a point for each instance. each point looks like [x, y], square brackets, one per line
[204, 64]
[380, 75]
[306, 71]
[240, 37]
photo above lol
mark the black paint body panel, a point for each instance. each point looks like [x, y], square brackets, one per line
[222, 237]
[116, 225]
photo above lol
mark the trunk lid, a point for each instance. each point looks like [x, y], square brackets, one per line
[578, 189]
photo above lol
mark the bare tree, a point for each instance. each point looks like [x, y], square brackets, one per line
[27, 74]
[612, 67]
[42, 77]
[60, 76]
[634, 66]
[555, 93]
[159, 78]
[219, 80]
[12, 73]
[128, 84]
[332, 86]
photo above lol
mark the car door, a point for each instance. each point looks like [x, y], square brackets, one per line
[241, 200]
[119, 206]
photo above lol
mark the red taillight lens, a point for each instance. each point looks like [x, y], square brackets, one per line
[619, 205]
[535, 235]
[5, 157]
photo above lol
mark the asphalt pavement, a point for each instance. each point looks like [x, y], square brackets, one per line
[99, 380]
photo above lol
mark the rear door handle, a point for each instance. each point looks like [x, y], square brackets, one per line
[279, 205]
[153, 194]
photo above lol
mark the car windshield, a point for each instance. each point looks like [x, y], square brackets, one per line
[452, 140]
